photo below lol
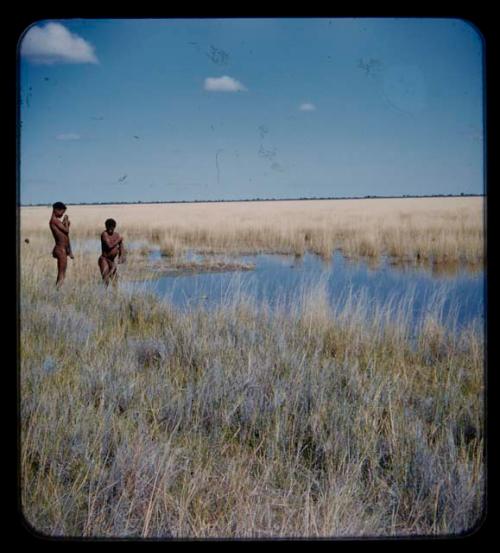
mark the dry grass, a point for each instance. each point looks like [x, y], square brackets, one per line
[138, 420]
[436, 229]
[181, 266]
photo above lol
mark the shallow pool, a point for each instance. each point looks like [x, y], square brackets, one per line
[285, 281]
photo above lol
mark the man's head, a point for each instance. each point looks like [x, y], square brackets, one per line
[110, 225]
[58, 208]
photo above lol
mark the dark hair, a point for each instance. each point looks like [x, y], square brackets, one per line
[110, 223]
[58, 205]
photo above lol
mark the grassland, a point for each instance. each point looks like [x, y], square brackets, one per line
[140, 420]
[440, 230]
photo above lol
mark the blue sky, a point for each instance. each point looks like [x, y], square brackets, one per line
[206, 109]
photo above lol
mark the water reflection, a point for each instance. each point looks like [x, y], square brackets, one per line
[93, 245]
[283, 280]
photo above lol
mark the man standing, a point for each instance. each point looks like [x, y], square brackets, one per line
[60, 232]
[112, 246]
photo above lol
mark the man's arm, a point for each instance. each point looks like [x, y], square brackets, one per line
[110, 242]
[60, 226]
[69, 250]
[123, 253]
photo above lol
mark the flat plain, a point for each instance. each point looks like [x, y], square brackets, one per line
[140, 419]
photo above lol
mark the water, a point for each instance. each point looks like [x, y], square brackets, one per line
[93, 245]
[286, 281]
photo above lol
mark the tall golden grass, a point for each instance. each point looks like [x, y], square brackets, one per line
[140, 420]
[435, 229]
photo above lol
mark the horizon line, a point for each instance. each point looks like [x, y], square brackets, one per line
[312, 198]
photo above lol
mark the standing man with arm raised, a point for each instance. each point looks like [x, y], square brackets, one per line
[60, 232]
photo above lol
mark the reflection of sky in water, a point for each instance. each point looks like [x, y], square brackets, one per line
[90, 245]
[283, 280]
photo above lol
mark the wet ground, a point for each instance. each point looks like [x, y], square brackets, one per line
[455, 292]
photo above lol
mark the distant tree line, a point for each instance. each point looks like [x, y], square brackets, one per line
[302, 198]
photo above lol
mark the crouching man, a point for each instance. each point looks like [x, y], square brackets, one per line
[112, 247]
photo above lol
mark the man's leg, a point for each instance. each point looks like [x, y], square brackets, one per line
[113, 274]
[62, 262]
[104, 267]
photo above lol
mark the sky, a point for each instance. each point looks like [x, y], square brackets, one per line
[223, 109]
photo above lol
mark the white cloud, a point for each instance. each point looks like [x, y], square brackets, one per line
[68, 136]
[53, 43]
[223, 84]
[307, 107]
